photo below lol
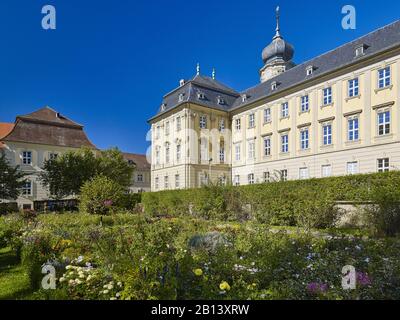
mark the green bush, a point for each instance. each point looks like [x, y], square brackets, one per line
[101, 195]
[306, 203]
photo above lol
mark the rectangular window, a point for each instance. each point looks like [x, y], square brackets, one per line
[203, 122]
[221, 126]
[252, 121]
[156, 183]
[178, 153]
[167, 149]
[266, 176]
[284, 175]
[353, 129]
[27, 157]
[167, 128]
[383, 123]
[204, 149]
[327, 134]
[166, 182]
[237, 152]
[158, 151]
[178, 124]
[384, 79]
[139, 178]
[327, 96]
[158, 132]
[285, 110]
[27, 188]
[251, 178]
[383, 165]
[303, 173]
[326, 170]
[203, 179]
[238, 124]
[252, 151]
[352, 167]
[53, 156]
[285, 143]
[304, 139]
[353, 88]
[304, 103]
[237, 180]
[267, 115]
[267, 146]
[222, 153]
[177, 181]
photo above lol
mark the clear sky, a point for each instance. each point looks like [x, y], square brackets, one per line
[108, 63]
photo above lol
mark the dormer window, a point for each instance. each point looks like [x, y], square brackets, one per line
[360, 50]
[163, 107]
[221, 100]
[244, 97]
[310, 70]
[274, 86]
[200, 95]
[181, 96]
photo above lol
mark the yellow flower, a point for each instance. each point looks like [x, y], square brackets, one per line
[198, 272]
[225, 286]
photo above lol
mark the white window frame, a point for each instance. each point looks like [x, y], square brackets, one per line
[166, 182]
[252, 120]
[385, 125]
[158, 155]
[352, 167]
[178, 152]
[221, 126]
[304, 139]
[284, 174]
[139, 177]
[266, 176]
[167, 152]
[327, 137]
[252, 149]
[177, 181]
[178, 124]
[326, 170]
[203, 122]
[237, 180]
[304, 173]
[27, 191]
[383, 165]
[353, 87]
[222, 152]
[267, 146]
[237, 151]
[167, 128]
[285, 143]
[238, 124]
[250, 178]
[384, 78]
[327, 96]
[157, 183]
[304, 103]
[27, 158]
[267, 115]
[285, 110]
[353, 134]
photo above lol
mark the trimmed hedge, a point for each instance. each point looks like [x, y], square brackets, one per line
[307, 203]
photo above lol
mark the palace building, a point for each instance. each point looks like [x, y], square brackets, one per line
[336, 114]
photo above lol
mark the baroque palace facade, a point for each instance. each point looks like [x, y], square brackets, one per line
[336, 114]
[46, 134]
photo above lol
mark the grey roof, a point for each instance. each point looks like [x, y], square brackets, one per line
[375, 42]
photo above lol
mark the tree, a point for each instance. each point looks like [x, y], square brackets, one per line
[65, 175]
[11, 179]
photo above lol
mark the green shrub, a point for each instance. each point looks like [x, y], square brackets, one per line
[306, 203]
[101, 195]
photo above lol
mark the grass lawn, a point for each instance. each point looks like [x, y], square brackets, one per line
[14, 283]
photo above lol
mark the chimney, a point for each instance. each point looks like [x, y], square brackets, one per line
[182, 82]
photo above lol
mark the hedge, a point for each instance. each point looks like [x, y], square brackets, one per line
[308, 203]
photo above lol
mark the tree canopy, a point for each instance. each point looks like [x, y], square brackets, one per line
[65, 175]
[11, 180]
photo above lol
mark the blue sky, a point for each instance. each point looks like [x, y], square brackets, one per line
[109, 63]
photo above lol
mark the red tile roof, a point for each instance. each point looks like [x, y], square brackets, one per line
[139, 160]
[5, 129]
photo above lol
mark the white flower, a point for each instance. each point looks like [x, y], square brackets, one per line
[110, 287]
[62, 279]
[112, 298]
[119, 284]
[367, 260]
[118, 295]
[80, 259]
[77, 281]
[68, 267]
[105, 291]
[358, 247]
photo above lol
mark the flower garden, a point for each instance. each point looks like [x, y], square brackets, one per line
[129, 256]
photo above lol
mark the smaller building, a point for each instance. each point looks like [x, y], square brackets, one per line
[141, 180]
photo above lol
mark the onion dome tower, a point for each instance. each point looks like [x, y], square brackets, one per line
[277, 56]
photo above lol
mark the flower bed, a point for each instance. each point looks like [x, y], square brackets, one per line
[132, 257]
